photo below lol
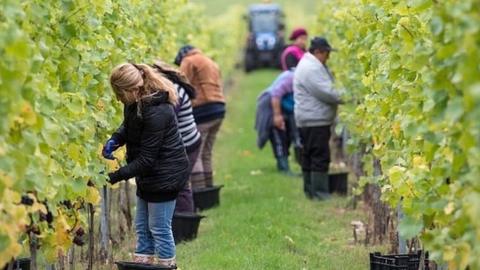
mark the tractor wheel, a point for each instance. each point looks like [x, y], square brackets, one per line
[250, 63]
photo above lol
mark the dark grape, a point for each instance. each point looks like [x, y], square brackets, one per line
[26, 200]
[78, 241]
[34, 229]
[67, 204]
[80, 232]
[48, 217]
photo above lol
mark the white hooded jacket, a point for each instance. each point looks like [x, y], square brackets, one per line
[316, 100]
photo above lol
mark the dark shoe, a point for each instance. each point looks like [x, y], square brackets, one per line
[282, 164]
[284, 168]
[320, 185]
[307, 184]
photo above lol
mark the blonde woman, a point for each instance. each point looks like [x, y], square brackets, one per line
[155, 156]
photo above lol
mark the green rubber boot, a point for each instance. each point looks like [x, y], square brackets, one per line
[307, 184]
[284, 167]
[282, 164]
[320, 185]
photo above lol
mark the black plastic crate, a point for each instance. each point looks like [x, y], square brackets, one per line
[20, 264]
[397, 261]
[338, 183]
[206, 198]
[140, 266]
[185, 226]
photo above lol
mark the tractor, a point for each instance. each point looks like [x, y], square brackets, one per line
[266, 36]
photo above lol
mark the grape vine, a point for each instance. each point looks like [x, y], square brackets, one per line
[57, 108]
[411, 73]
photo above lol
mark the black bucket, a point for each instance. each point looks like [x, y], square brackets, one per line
[140, 266]
[185, 226]
[338, 183]
[20, 264]
[398, 261]
[206, 198]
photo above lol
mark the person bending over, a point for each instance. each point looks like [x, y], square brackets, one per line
[208, 107]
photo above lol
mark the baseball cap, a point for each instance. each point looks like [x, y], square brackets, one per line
[320, 43]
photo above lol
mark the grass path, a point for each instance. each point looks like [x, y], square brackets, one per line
[264, 221]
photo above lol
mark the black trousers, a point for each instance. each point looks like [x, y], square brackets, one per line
[281, 140]
[316, 150]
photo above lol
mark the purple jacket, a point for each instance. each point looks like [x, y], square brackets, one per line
[296, 51]
[283, 85]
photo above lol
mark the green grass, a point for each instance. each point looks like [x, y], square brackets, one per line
[264, 221]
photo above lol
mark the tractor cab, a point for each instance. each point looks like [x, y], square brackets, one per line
[266, 36]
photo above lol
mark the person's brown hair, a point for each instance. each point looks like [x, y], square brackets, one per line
[168, 69]
[176, 76]
[134, 82]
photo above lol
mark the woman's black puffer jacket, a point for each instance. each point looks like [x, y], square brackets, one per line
[156, 156]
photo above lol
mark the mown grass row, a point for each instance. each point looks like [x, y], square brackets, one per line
[264, 221]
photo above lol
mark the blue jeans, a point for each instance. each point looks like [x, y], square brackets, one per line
[153, 224]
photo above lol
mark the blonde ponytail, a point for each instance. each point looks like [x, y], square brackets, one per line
[154, 82]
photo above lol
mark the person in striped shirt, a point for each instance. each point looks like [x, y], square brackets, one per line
[186, 125]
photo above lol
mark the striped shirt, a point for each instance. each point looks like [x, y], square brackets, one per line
[186, 121]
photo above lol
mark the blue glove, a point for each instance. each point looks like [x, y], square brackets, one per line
[109, 148]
